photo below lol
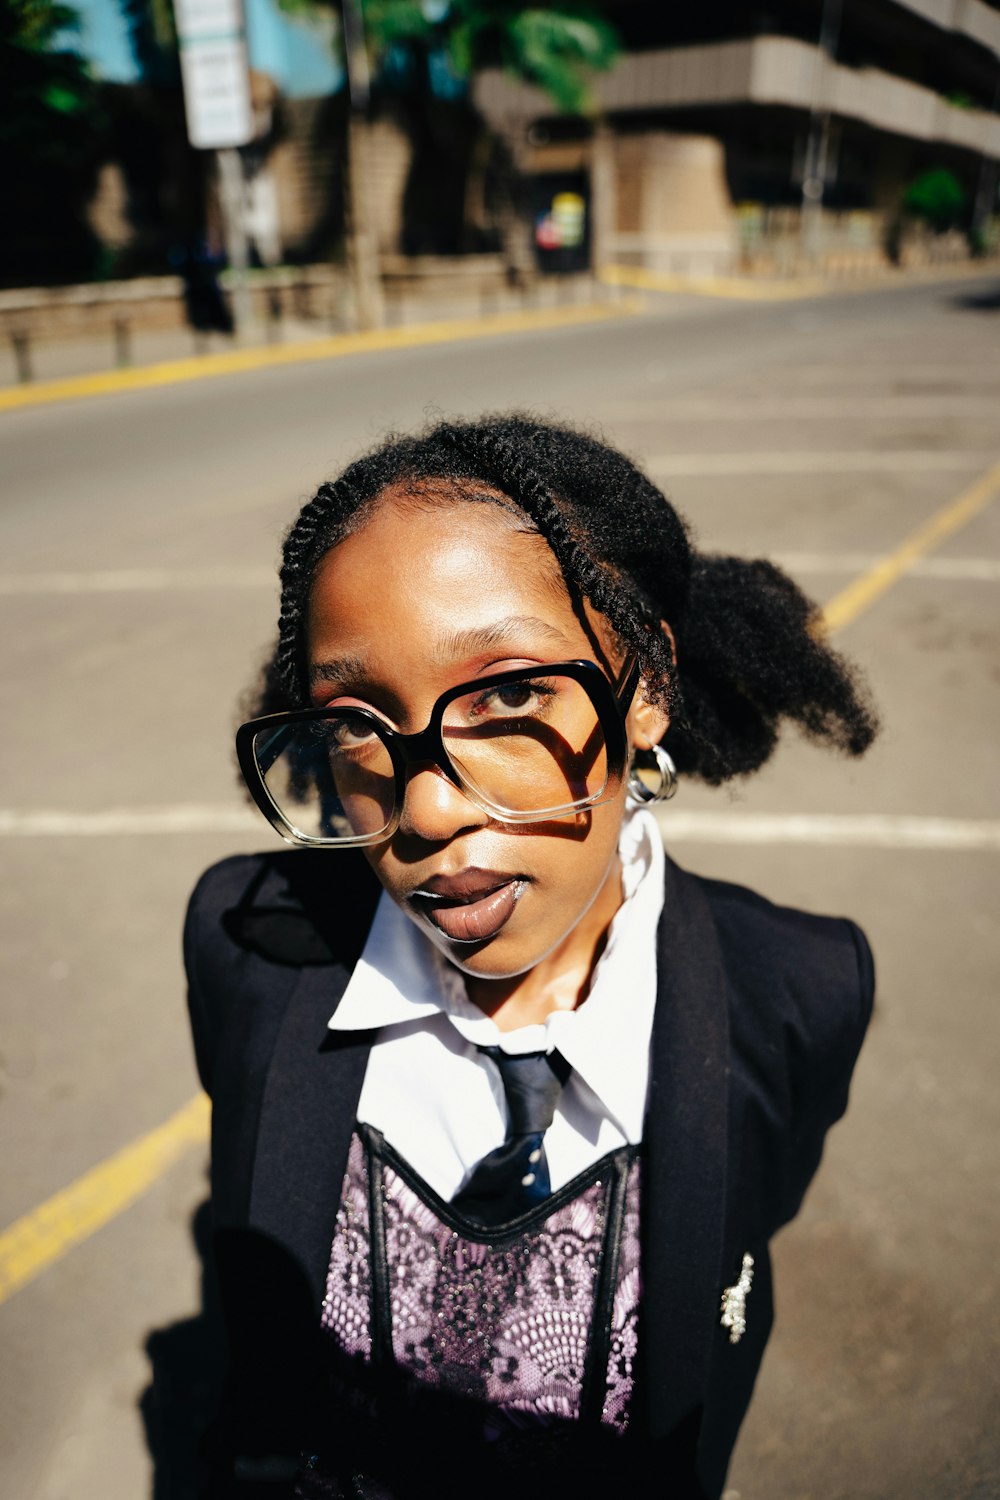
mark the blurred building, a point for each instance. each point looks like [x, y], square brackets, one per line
[718, 117]
[727, 135]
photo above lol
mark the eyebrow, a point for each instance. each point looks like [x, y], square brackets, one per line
[350, 668]
[481, 638]
[463, 644]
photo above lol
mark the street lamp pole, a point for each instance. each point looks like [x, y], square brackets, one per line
[215, 73]
[233, 201]
[816, 164]
[986, 188]
[362, 246]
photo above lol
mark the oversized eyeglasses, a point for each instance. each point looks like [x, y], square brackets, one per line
[521, 745]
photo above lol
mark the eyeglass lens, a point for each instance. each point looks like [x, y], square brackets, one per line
[532, 745]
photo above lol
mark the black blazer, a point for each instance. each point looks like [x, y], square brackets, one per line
[760, 1014]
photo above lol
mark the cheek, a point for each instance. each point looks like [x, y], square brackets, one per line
[574, 866]
[379, 859]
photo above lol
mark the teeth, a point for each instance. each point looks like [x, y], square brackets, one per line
[463, 900]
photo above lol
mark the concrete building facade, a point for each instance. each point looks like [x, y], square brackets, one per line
[719, 127]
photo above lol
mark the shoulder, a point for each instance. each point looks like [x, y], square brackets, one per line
[800, 995]
[767, 942]
[801, 985]
[254, 920]
[253, 923]
[291, 907]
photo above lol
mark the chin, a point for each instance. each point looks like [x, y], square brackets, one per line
[491, 958]
[467, 964]
[502, 958]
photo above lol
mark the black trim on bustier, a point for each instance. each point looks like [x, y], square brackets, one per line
[381, 1303]
[614, 1167]
[595, 1375]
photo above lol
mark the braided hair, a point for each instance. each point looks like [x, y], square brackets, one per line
[749, 648]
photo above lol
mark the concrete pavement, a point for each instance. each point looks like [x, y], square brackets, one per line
[137, 534]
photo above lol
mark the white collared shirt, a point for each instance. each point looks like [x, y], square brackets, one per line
[440, 1102]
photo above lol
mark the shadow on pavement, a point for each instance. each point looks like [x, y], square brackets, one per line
[985, 300]
[182, 1400]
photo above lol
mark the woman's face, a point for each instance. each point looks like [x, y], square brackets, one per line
[423, 597]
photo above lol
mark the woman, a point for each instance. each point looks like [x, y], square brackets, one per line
[506, 1105]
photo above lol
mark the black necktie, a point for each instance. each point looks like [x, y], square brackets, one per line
[515, 1177]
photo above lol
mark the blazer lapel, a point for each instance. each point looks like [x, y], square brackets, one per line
[307, 1117]
[684, 1181]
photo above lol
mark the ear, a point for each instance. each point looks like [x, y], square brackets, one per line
[647, 721]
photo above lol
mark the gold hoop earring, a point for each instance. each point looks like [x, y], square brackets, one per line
[656, 783]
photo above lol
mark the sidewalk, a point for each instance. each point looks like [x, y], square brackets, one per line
[65, 357]
[617, 288]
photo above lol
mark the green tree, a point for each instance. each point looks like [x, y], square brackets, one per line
[153, 39]
[165, 176]
[423, 55]
[50, 135]
[557, 47]
[937, 197]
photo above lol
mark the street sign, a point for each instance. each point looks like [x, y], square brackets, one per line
[215, 72]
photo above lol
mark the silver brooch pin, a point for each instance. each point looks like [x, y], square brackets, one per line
[734, 1302]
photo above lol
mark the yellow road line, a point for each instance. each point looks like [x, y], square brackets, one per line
[48, 1232]
[752, 289]
[239, 361]
[845, 607]
[740, 288]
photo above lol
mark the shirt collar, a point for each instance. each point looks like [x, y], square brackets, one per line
[401, 978]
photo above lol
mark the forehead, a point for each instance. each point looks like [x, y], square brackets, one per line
[418, 565]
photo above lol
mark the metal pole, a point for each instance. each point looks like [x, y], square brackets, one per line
[603, 206]
[22, 355]
[818, 148]
[362, 245]
[232, 197]
[986, 188]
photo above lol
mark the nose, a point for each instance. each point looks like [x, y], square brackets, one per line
[434, 808]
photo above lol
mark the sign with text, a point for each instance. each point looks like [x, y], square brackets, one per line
[215, 72]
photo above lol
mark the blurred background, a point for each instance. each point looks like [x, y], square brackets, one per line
[755, 246]
[297, 166]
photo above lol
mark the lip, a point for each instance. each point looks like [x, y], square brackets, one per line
[471, 906]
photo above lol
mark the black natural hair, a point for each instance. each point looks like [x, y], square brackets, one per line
[750, 650]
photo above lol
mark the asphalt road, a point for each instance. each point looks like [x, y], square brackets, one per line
[136, 537]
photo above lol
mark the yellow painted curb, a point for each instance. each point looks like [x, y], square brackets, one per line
[238, 361]
[845, 607]
[741, 289]
[750, 289]
[49, 1231]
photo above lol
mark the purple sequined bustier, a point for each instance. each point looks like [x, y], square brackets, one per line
[515, 1341]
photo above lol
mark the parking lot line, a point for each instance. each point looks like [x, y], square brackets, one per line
[136, 580]
[862, 830]
[949, 569]
[157, 580]
[815, 461]
[860, 595]
[845, 830]
[49, 1231]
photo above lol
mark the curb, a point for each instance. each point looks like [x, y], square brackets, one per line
[239, 361]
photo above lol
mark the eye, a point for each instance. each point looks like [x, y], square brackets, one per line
[349, 734]
[528, 697]
[515, 695]
[342, 736]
